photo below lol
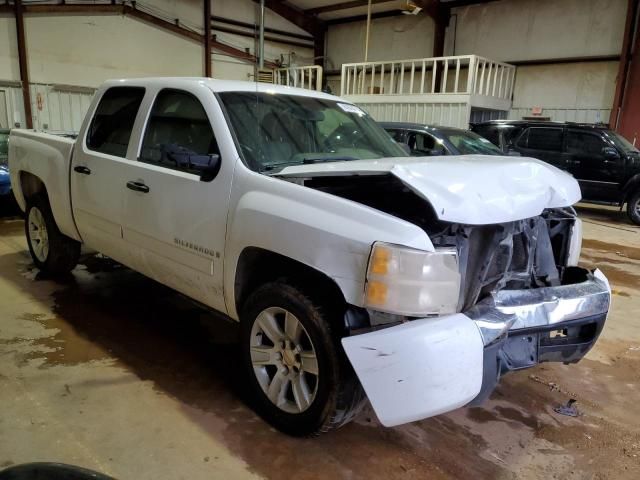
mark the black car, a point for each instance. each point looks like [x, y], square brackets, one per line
[605, 164]
[424, 140]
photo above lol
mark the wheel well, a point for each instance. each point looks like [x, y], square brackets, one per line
[257, 266]
[631, 188]
[32, 186]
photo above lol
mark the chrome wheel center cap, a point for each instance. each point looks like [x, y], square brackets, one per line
[289, 357]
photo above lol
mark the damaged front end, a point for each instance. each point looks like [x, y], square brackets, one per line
[523, 289]
[522, 301]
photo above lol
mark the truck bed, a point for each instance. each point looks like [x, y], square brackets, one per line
[48, 157]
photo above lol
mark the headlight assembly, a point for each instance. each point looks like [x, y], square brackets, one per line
[412, 282]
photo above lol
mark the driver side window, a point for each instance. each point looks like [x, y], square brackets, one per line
[178, 128]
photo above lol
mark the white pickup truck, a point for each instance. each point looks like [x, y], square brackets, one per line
[354, 270]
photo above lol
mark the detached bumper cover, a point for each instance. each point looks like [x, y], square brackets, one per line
[429, 366]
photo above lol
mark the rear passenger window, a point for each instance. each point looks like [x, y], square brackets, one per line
[540, 138]
[490, 134]
[112, 123]
[178, 129]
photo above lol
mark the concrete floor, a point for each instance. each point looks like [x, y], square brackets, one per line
[113, 372]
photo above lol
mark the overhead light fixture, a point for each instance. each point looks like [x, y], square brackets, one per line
[410, 8]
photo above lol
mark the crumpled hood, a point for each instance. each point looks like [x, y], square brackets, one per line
[469, 189]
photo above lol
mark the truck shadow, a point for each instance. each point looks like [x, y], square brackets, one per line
[105, 311]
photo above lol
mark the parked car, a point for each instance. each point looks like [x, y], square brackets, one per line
[605, 164]
[351, 267]
[427, 140]
[5, 181]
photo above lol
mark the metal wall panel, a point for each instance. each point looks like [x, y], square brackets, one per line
[54, 108]
[448, 114]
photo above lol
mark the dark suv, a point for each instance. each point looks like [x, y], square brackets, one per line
[606, 165]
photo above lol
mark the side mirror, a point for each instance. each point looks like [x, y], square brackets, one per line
[610, 153]
[207, 166]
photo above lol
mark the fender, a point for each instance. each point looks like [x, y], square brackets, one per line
[325, 232]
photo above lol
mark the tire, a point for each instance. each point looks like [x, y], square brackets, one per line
[52, 252]
[314, 396]
[633, 207]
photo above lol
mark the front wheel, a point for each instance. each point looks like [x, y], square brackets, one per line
[52, 251]
[301, 381]
[633, 207]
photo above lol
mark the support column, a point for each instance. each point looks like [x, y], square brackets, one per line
[622, 82]
[207, 38]
[441, 20]
[319, 46]
[22, 60]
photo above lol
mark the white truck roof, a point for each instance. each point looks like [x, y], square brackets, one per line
[217, 86]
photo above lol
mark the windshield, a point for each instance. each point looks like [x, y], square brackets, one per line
[621, 143]
[275, 130]
[468, 143]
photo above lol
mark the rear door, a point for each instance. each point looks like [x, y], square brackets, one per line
[598, 175]
[98, 170]
[174, 223]
[543, 143]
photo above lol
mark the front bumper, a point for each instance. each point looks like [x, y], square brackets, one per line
[430, 366]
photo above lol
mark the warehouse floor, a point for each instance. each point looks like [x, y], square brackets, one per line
[113, 372]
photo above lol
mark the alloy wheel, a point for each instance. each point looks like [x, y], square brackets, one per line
[284, 360]
[38, 235]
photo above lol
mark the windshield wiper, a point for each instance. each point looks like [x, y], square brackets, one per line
[307, 161]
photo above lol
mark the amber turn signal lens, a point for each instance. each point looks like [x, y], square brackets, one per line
[376, 293]
[380, 260]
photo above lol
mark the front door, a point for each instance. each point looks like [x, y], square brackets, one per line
[599, 175]
[98, 171]
[175, 223]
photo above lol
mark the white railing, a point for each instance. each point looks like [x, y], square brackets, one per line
[465, 74]
[309, 77]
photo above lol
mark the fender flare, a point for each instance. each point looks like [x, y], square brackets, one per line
[631, 186]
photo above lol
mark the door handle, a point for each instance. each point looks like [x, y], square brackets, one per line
[82, 169]
[137, 187]
[574, 162]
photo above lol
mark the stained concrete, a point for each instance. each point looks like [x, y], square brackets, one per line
[111, 371]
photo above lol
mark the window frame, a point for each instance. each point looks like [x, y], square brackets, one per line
[145, 126]
[132, 136]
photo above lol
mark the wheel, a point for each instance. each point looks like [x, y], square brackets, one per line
[52, 252]
[633, 207]
[298, 374]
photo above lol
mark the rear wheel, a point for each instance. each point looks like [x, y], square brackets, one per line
[633, 207]
[299, 377]
[51, 251]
